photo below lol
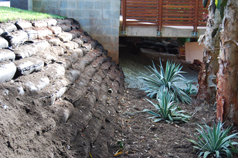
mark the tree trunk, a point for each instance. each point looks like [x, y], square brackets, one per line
[227, 102]
[209, 67]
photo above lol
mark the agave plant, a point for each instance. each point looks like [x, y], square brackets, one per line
[214, 141]
[189, 90]
[167, 110]
[167, 79]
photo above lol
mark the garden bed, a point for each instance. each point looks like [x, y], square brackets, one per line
[142, 137]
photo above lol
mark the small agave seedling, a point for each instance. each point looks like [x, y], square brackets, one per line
[214, 141]
[189, 90]
[167, 110]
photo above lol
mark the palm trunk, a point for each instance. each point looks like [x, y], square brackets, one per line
[227, 99]
[209, 67]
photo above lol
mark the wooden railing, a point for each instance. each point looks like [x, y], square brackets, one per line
[163, 13]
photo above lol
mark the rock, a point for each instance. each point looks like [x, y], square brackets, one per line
[64, 21]
[99, 47]
[75, 26]
[87, 46]
[3, 43]
[1, 31]
[76, 33]
[61, 86]
[55, 29]
[54, 71]
[93, 130]
[57, 50]
[95, 89]
[97, 79]
[22, 25]
[65, 36]
[32, 34]
[73, 57]
[36, 82]
[51, 22]
[25, 51]
[106, 65]
[93, 43]
[101, 149]
[79, 41]
[79, 88]
[80, 65]
[28, 65]
[40, 24]
[86, 39]
[42, 45]
[8, 70]
[63, 109]
[90, 71]
[6, 54]
[11, 87]
[45, 98]
[75, 99]
[65, 27]
[79, 51]
[48, 56]
[42, 33]
[16, 38]
[55, 41]
[112, 73]
[66, 62]
[70, 45]
[8, 27]
[72, 75]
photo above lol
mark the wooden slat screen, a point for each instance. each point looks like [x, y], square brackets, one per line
[202, 12]
[163, 12]
[141, 12]
[178, 12]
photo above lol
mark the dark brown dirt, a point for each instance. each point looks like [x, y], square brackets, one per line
[141, 137]
[144, 139]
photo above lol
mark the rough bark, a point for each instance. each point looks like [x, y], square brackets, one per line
[209, 66]
[227, 103]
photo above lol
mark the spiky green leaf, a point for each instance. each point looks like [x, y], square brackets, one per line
[204, 2]
[222, 7]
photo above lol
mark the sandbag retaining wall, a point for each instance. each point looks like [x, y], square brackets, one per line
[57, 67]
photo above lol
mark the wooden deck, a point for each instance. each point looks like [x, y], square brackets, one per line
[162, 17]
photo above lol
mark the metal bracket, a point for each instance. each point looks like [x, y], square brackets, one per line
[194, 34]
[123, 32]
[159, 33]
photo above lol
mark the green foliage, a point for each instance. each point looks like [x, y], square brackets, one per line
[120, 144]
[204, 2]
[222, 6]
[167, 79]
[214, 141]
[167, 110]
[189, 90]
[9, 13]
[217, 4]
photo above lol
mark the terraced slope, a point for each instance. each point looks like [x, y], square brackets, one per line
[59, 91]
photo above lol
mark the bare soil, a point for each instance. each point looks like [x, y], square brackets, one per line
[143, 138]
[28, 129]
[140, 136]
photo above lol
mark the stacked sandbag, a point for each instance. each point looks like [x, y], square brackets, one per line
[57, 67]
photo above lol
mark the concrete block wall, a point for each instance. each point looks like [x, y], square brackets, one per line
[22, 4]
[100, 18]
